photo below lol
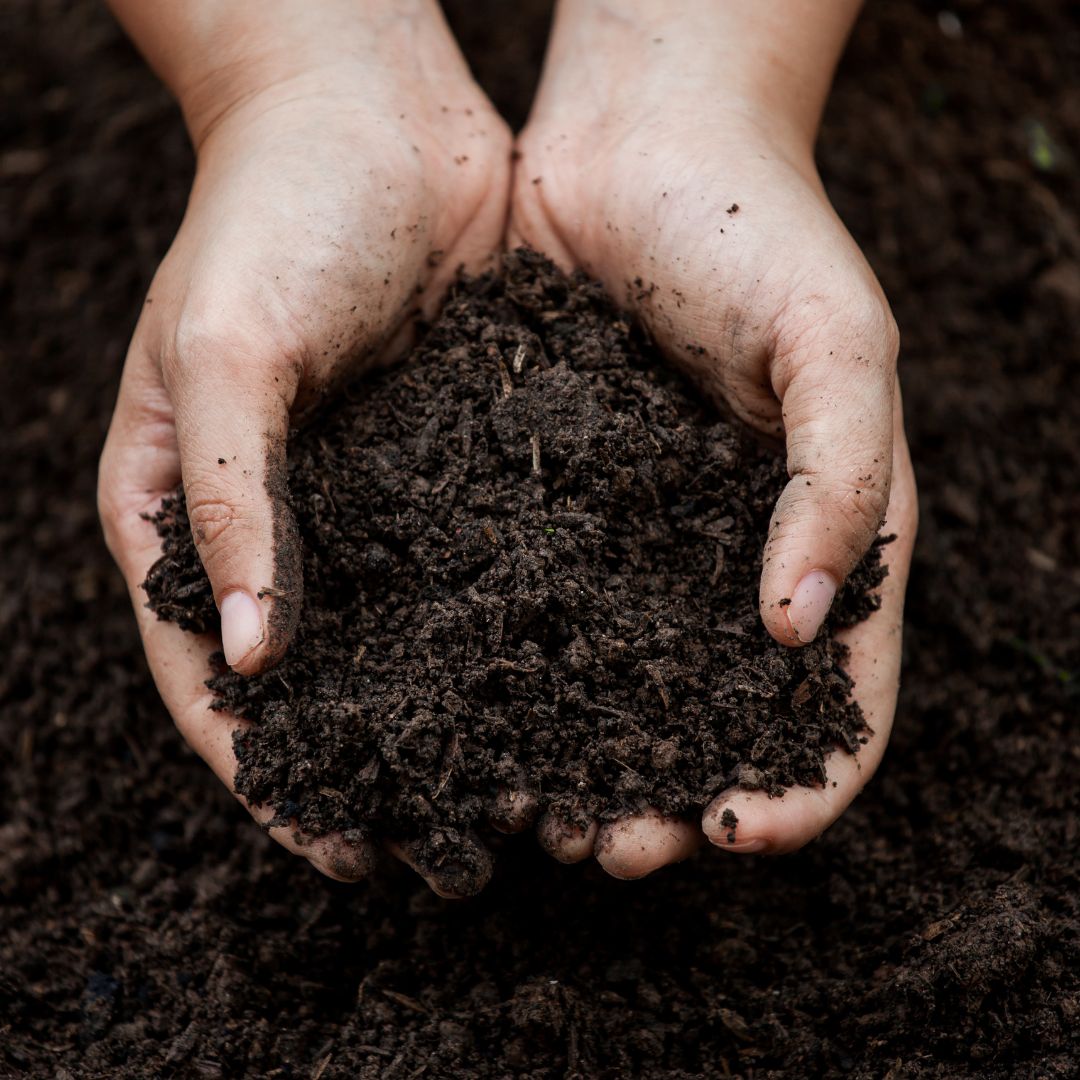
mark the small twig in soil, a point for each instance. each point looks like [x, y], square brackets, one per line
[507, 382]
[325, 487]
[718, 569]
[660, 687]
[404, 999]
[367, 1048]
[451, 757]
[396, 711]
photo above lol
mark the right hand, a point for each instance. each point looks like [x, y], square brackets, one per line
[329, 204]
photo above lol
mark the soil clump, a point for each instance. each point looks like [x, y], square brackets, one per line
[531, 560]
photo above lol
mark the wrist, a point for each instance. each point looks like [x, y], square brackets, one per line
[769, 65]
[217, 55]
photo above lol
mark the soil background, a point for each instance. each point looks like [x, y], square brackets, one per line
[148, 929]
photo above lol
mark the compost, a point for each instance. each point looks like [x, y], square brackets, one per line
[147, 928]
[530, 559]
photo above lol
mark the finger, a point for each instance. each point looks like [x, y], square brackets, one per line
[455, 865]
[139, 465]
[181, 683]
[529, 224]
[636, 846]
[180, 664]
[515, 808]
[835, 385]
[775, 825]
[232, 397]
[333, 855]
[565, 841]
[528, 228]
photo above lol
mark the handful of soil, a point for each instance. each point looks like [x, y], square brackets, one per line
[531, 557]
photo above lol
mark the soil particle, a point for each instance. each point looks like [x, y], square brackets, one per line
[729, 821]
[529, 551]
[147, 930]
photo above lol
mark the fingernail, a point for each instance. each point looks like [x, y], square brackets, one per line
[810, 604]
[241, 626]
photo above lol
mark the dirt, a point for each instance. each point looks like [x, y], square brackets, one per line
[531, 559]
[148, 929]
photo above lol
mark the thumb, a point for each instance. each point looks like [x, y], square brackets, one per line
[232, 418]
[836, 393]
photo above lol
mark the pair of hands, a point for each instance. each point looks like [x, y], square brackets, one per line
[348, 166]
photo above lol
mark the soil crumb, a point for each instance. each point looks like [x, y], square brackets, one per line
[933, 933]
[531, 559]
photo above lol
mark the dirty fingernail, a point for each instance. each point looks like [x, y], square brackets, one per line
[810, 604]
[241, 626]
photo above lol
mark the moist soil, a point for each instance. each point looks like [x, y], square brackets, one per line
[531, 560]
[148, 929]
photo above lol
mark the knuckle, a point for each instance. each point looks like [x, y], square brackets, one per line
[107, 504]
[862, 509]
[869, 330]
[216, 525]
[196, 337]
[891, 335]
[111, 519]
[855, 326]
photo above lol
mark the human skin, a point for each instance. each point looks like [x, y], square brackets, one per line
[669, 153]
[340, 147]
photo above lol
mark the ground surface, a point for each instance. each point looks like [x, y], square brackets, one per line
[147, 929]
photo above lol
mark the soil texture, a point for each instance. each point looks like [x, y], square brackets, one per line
[147, 929]
[531, 560]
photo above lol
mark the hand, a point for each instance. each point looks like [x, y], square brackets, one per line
[347, 166]
[676, 169]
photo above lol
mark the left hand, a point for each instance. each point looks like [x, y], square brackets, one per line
[340, 152]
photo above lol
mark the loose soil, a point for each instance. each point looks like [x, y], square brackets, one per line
[531, 560]
[148, 929]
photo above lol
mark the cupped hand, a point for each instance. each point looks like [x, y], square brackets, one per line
[705, 215]
[329, 204]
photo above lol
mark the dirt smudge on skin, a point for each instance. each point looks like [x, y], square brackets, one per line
[287, 594]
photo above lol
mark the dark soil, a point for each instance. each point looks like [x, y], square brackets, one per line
[148, 929]
[531, 560]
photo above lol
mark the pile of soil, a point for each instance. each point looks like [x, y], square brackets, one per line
[148, 929]
[530, 559]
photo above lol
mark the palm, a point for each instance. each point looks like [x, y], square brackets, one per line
[730, 254]
[714, 238]
[319, 238]
[314, 232]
